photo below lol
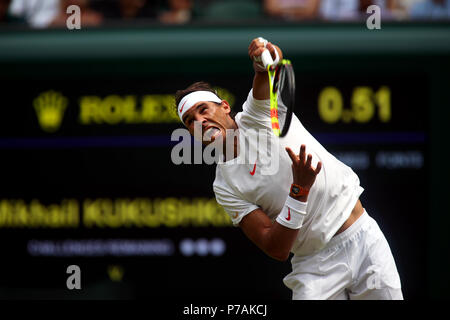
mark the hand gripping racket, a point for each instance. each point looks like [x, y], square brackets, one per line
[281, 86]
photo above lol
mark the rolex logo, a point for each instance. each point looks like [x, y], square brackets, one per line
[50, 107]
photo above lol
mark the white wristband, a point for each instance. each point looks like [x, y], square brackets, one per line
[292, 214]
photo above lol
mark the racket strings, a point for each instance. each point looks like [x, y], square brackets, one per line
[282, 88]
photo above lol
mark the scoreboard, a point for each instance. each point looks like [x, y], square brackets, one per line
[86, 169]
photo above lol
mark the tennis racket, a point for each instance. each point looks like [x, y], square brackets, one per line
[282, 87]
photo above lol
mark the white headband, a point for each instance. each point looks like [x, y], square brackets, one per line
[192, 98]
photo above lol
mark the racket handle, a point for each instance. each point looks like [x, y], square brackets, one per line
[266, 58]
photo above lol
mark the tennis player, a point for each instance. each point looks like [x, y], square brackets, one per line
[309, 207]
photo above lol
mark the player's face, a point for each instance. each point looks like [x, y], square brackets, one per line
[214, 119]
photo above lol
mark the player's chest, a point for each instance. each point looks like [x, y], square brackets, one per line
[262, 180]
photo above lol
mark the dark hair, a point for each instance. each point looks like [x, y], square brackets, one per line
[196, 86]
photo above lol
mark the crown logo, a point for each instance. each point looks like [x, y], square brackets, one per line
[50, 107]
[115, 273]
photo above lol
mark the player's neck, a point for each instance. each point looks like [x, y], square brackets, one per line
[231, 147]
[233, 151]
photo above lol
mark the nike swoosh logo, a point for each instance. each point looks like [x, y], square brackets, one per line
[181, 109]
[288, 218]
[254, 169]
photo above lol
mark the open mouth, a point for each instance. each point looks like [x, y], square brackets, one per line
[210, 133]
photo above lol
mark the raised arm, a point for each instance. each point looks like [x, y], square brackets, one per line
[277, 238]
[261, 79]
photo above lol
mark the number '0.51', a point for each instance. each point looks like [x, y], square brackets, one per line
[364, 102]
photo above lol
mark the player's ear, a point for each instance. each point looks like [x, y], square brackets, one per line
[226, 106]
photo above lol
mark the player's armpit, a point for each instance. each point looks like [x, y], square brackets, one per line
[271, 237]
